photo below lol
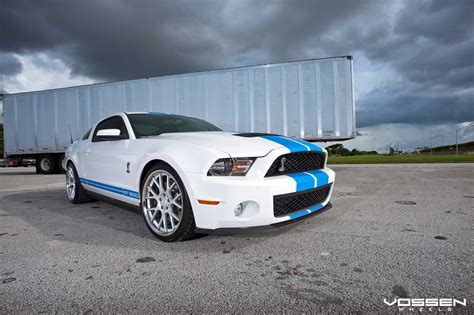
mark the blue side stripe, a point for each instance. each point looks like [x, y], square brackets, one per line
[110, 188]
[289, 144]
[91, 182]
[101, 186]
[306, 212]
[321, 178]
[117, 190]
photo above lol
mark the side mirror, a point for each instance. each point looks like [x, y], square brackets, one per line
[109, 135]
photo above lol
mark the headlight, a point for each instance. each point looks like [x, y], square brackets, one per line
[231, 167]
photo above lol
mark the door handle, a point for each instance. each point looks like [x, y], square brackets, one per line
[88, 151]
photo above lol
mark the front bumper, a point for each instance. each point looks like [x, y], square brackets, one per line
[263, 228]
[256, 194]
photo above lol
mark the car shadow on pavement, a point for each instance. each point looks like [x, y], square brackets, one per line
[100, 223]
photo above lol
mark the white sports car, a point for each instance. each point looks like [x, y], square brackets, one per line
[187, 176]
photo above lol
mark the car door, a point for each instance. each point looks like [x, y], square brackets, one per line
[107, 162]
[82, 146]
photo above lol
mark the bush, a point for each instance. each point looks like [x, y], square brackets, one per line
[339, 150]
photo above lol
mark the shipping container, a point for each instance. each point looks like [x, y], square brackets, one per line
[310, 99]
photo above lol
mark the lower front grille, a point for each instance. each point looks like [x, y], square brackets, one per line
[294, 202]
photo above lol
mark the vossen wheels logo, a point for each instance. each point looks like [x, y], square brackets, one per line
[425, 305]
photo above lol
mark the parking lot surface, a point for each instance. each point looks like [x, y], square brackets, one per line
[394, 231]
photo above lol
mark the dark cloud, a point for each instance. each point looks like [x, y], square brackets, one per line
[446, 22]
[428, 45]
[424, 41]
[380, 108]
[113, 40]
[9, 65]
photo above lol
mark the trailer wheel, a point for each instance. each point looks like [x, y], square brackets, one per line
[46, 164]
[60, 164]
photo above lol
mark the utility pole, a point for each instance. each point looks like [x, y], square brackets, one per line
[457, 149]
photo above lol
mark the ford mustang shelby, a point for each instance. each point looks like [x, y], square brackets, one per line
[188, 176]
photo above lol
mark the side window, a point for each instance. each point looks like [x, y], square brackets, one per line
[115, 122]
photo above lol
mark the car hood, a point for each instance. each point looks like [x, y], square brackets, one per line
[228, 142]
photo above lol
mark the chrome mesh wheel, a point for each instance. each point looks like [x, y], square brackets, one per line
[162, 202]
[70, 183]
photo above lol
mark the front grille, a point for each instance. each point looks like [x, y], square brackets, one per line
[294, 202]
[296, 163]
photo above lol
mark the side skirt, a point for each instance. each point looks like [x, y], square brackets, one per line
[115, 202]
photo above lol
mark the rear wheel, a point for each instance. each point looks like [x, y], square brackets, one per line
[46, 164]
[165, 204]
[75, 192]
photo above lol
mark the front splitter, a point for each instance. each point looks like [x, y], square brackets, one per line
[262, 228]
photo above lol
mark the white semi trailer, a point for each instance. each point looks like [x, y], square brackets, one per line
[310, 99]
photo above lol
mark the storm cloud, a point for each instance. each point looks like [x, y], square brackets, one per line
[9, 64]
[425, 48]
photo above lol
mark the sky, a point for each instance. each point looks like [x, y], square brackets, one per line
[413, 59]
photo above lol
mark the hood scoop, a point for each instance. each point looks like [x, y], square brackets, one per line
[254, 134]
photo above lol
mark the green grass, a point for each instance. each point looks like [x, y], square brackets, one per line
[421, 158]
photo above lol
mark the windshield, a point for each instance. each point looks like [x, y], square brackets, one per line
[145, 125]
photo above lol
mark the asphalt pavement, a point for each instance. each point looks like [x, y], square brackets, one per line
[395, 231]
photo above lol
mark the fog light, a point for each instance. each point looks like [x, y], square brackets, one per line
[238, 210]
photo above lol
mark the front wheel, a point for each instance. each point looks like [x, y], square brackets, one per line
[165, 204]
[75, 192]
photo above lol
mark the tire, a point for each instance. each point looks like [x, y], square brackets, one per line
[74, 190]
[46, 164]
[174, 221]
[60, 165]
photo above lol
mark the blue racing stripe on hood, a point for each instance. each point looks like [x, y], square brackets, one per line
[291, 145]
[308, 180]
[312, 146]
[294, 145]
